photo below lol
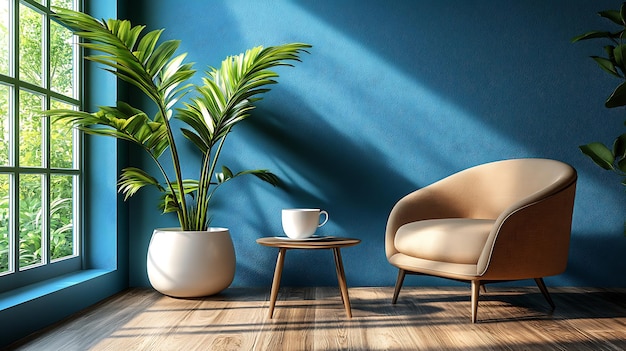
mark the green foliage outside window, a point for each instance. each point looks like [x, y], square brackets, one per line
[34, 129]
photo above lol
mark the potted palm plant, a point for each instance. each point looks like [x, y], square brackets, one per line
[194, 259]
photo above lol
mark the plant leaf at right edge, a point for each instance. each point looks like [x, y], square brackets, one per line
[607, 65]
[612, 15]
[619, 147]
[618, 97]
[592, 35]
[600, 154]
[619, 152]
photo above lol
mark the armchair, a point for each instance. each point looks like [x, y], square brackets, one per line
[500, 221]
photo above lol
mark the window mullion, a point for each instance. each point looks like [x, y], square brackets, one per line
[45, 218]
[14, 59]
[45, 188]
[14, 257]
[14, 177]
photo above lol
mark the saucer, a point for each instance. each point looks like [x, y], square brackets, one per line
[311, 238]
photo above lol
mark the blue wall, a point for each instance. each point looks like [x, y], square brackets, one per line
[396, 95]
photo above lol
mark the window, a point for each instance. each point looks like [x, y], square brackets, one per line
[40, 166]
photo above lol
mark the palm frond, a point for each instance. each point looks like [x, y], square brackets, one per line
[262, 174]
[136, 59]
[132, 179]
[227, 93]
[122, 121]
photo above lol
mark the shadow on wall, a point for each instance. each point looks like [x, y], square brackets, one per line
[325, 169]
[509, 63]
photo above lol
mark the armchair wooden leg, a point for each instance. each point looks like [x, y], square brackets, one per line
[544, 291]
[475, 294]
[399, 282]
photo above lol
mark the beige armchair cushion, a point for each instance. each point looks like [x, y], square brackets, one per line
[453, 240]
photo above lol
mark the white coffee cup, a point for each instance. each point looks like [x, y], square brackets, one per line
[301, 223]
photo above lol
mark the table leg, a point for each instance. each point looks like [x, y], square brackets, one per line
[276, 282]
[341, 277]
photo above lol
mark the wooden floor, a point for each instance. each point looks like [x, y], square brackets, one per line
[314, 319]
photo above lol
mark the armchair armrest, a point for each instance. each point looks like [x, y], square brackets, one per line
[530, 241]
[430, 202]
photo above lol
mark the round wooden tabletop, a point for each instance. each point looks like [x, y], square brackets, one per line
[327, 242]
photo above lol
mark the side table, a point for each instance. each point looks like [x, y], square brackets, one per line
[333, 243]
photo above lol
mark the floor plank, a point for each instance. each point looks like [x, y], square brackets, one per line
[314, 319]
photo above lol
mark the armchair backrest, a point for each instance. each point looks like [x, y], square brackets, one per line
[487, 191]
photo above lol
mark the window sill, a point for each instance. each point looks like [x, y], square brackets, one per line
[35, 291]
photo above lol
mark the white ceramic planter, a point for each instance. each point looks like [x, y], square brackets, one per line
[191, 264]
